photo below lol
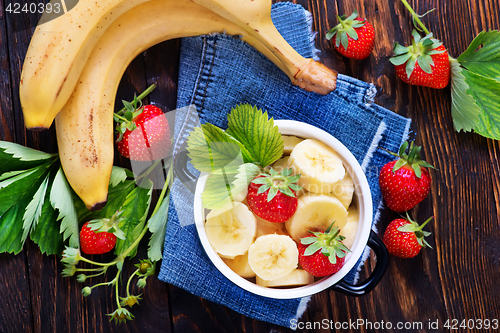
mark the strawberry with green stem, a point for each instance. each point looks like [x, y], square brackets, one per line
[273, 196]
[404, 238]
[323, 253]
[143, 131]
[99, 236]
[354, 37]
[425, 62]
[406, 181]
[72, 256]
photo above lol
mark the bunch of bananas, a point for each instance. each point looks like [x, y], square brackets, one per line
[75, 62]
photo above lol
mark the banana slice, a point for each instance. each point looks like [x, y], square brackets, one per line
[344, 190]
[316, 212]
[231, 232]
[319, 165]
[298, 277]
[265, 228]
[272, 257]
[290, 142]
[351, 228]
[281, 164]
[240, 266]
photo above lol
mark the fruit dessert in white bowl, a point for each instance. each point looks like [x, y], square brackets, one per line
[264, 253]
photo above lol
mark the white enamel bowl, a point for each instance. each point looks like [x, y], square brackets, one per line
[362, 199]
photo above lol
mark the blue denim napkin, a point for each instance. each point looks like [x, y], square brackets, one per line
[219, 71]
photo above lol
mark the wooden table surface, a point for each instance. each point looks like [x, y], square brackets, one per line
[456, 280]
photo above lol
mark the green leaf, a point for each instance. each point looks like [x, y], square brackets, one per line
[210, 148]
[16, 193]
[46, 233]
[61, 199]
[311, 249]
[134, 212]
[485, 92]
[23, 153]
[118, 175]
[464, 110]
[157, 225]
[256, 132]
[484, 61]
[223, 186]
[34, 209]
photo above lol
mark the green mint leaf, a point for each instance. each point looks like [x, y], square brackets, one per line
[134, 210]
[224, 185]
[484, 61]
[210, 148]
[62, 200]
[256, 132]
[34, 209]
[464, 110]
[157, 225]
[485, 92]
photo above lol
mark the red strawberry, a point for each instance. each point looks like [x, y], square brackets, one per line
[405, 182]
[323, 253]
[424, 63]
[404, 238]
[143, 132]
[354, 37]
[272, 196]
[99, 236]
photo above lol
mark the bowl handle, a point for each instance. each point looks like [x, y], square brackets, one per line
[376, 244]
[182, 173]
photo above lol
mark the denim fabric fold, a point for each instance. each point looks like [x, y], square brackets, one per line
[216, 73]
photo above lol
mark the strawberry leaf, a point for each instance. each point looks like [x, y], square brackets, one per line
[485, 60]
[62, 201]
[464, 110]
[210, 148]
[157, 225]
[257, 133]
[485, 92]
[134, 212]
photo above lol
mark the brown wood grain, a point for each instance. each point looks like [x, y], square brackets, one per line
[457, 279]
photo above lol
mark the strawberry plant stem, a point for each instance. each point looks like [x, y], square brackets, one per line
[415, 16]
[141, 96]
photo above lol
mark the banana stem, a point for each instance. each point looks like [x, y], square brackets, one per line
[415, 16]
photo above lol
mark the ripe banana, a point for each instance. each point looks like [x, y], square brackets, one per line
[255, 17]
[273, 257]
[344, 190]
[240, 266]
[57, 54]
[289, 142]
[265, 227]
[232, 232]
[351, 228]
[320, 166]
[84, 126]
[316, 212]
[298, 277]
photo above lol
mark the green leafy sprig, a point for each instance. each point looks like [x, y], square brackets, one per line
[233, 157]
[475, 83]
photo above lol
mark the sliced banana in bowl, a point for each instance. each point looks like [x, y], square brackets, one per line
[335, 190]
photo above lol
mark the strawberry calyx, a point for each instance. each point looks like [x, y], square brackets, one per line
[420, 51]
[345, 29]
[108, 225]
[328, 242]
[412, 159]
[275, 182]
[125, 118]
[417, 229]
